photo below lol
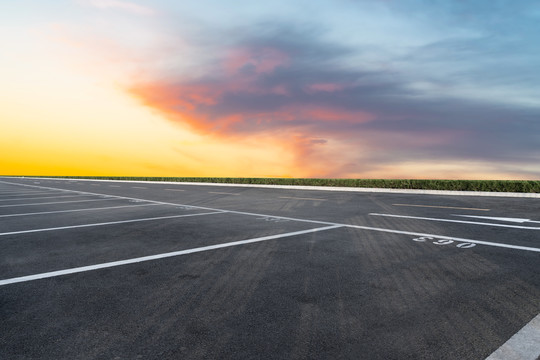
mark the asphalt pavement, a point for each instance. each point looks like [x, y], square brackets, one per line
[135, 270]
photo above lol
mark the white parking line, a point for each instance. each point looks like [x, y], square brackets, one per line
[516, 220]
[222, 193]
[75, 210]
[488, 243]
[60, 202]
[159, 256]
[44, 197]
[106, 223]
[441, 207]
[30, 193]
[458, 221]
[524, 345]
[301, 198]
[416, 234]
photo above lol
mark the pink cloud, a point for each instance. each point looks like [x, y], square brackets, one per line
[326, 87]
[321, 113]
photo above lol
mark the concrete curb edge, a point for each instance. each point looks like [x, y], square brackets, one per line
[314, 188]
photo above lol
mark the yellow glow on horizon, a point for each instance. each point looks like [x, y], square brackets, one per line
[64, 110]
[61, 120]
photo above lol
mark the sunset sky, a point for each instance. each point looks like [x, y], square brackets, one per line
[295, 88]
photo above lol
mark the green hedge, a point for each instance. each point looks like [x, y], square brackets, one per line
[524, 186]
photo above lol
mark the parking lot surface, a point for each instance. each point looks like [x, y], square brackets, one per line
[127, 270]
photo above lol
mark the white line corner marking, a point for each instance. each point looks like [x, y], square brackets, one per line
[159, 256]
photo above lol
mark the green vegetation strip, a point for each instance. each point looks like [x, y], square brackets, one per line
[522, 186]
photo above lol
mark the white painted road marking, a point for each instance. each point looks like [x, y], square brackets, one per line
[443, 242]
[222, 193]
[524, 345]
[31, 193]
[138, 187]
[43, 197]
[465, 245]
[106, 223]
[61, 202]
[516, 220]
[175, 189]
[272, 219]
[18, 191]
[74, 210]
[301, 198]
[159, 256]
[494, 244]
[441, 207]
[502, 245]
[457, 221]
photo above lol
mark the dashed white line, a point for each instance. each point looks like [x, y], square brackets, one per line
[222, 193]
[524, 345]
[159, 256]
[175, 189]
[105, 223]
[139, 187]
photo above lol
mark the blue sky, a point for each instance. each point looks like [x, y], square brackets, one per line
[438, 89]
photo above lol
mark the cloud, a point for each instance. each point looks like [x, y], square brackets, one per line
[338, 118]
[121, 5]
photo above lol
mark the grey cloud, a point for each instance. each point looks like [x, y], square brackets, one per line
[406, 123]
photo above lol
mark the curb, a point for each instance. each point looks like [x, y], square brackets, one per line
[319, 188]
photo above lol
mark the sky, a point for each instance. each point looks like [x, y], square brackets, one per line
[429, 89]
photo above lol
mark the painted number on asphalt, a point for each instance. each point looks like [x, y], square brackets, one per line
[466, 245]
[422, 238]
[444, 242]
